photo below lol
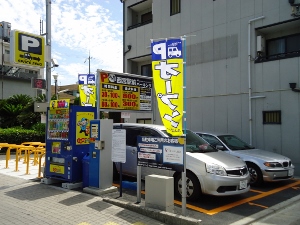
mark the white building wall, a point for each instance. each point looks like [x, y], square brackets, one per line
[217, 69]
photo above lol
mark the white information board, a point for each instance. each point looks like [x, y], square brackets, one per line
[118, 153]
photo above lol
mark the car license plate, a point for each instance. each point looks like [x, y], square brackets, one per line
[291, 172]
[243, 184]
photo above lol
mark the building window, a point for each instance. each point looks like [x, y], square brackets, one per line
[146, 18]
[144, 121]
[272, 117]
[146, 70]
[175, 7]
[283, 47]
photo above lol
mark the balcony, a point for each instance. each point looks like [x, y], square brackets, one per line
[139, 14]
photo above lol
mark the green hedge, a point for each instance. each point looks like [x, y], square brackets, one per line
[19, 135]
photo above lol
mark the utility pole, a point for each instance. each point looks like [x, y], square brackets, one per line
[2, 59]
[48, 45]
[89, 58]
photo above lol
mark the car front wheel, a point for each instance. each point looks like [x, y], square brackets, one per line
[256, 178]
[192, 185]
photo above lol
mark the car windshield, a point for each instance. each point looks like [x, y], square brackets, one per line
[195, 144]
[234, 143]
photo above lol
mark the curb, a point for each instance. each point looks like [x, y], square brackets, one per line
[162, 216]
[257, 216]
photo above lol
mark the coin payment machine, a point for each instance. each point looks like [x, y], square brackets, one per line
[100, 163]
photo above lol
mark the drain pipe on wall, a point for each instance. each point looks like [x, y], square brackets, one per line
[249, 74]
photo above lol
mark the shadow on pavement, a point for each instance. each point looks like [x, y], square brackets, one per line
[32, 193]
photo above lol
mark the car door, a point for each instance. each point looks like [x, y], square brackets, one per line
[129, 167]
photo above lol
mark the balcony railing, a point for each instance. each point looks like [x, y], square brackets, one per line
[139, 24]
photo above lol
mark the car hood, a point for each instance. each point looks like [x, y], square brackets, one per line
[260, 154]
[219, 158]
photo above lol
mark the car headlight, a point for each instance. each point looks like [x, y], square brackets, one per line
[272, 164]
[215, 169]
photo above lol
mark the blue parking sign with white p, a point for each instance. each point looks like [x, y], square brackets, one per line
[86, 79]
[166, 49]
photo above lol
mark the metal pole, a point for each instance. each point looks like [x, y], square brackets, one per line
[183, 177]
[89, 63]
[56, 89]
[2, 61]
[249, 76]
[48, 44]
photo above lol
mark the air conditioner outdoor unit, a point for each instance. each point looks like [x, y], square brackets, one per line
[260, 43]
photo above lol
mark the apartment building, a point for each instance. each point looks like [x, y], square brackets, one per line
[242, 65]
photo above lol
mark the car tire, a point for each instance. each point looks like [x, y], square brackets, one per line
[256, 178]
[193, 189]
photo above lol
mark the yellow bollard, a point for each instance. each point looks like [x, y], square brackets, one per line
[28, 157]
[7, 156]
[40, 165]
[19, 149]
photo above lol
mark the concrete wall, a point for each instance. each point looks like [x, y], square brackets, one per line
[15, 87]
[217, 69]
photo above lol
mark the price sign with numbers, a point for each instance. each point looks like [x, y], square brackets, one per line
[131, 97]
[125, 92]
[110, 96]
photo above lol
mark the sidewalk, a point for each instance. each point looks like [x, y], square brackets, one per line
[26, 202]
[141, 215]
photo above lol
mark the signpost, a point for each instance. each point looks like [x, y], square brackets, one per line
[27, 49]
[161, 153]
[87, 89]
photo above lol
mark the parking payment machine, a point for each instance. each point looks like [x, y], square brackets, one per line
[67, 141]
[100, 164]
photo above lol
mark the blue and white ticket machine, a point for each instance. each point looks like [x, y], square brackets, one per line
[100, 163]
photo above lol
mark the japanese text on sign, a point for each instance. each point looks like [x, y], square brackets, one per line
[167, 67]
[125, 92]
[161, 153]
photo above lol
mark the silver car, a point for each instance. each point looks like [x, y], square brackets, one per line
[263, 165]
[209, 170]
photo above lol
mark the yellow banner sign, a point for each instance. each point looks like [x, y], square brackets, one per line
[167, 67]
[169, 94]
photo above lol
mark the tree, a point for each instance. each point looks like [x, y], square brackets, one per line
[18, 110]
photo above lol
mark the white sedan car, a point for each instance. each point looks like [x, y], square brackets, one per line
[262, 165]
[209, 171]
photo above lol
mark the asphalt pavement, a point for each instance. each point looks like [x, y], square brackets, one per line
[24, 200]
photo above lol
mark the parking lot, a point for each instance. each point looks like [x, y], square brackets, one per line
[229, 209]
[209, 209]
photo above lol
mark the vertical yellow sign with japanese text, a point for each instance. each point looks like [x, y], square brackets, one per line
[167, 67]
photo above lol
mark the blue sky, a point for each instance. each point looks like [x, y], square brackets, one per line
[78, 26]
